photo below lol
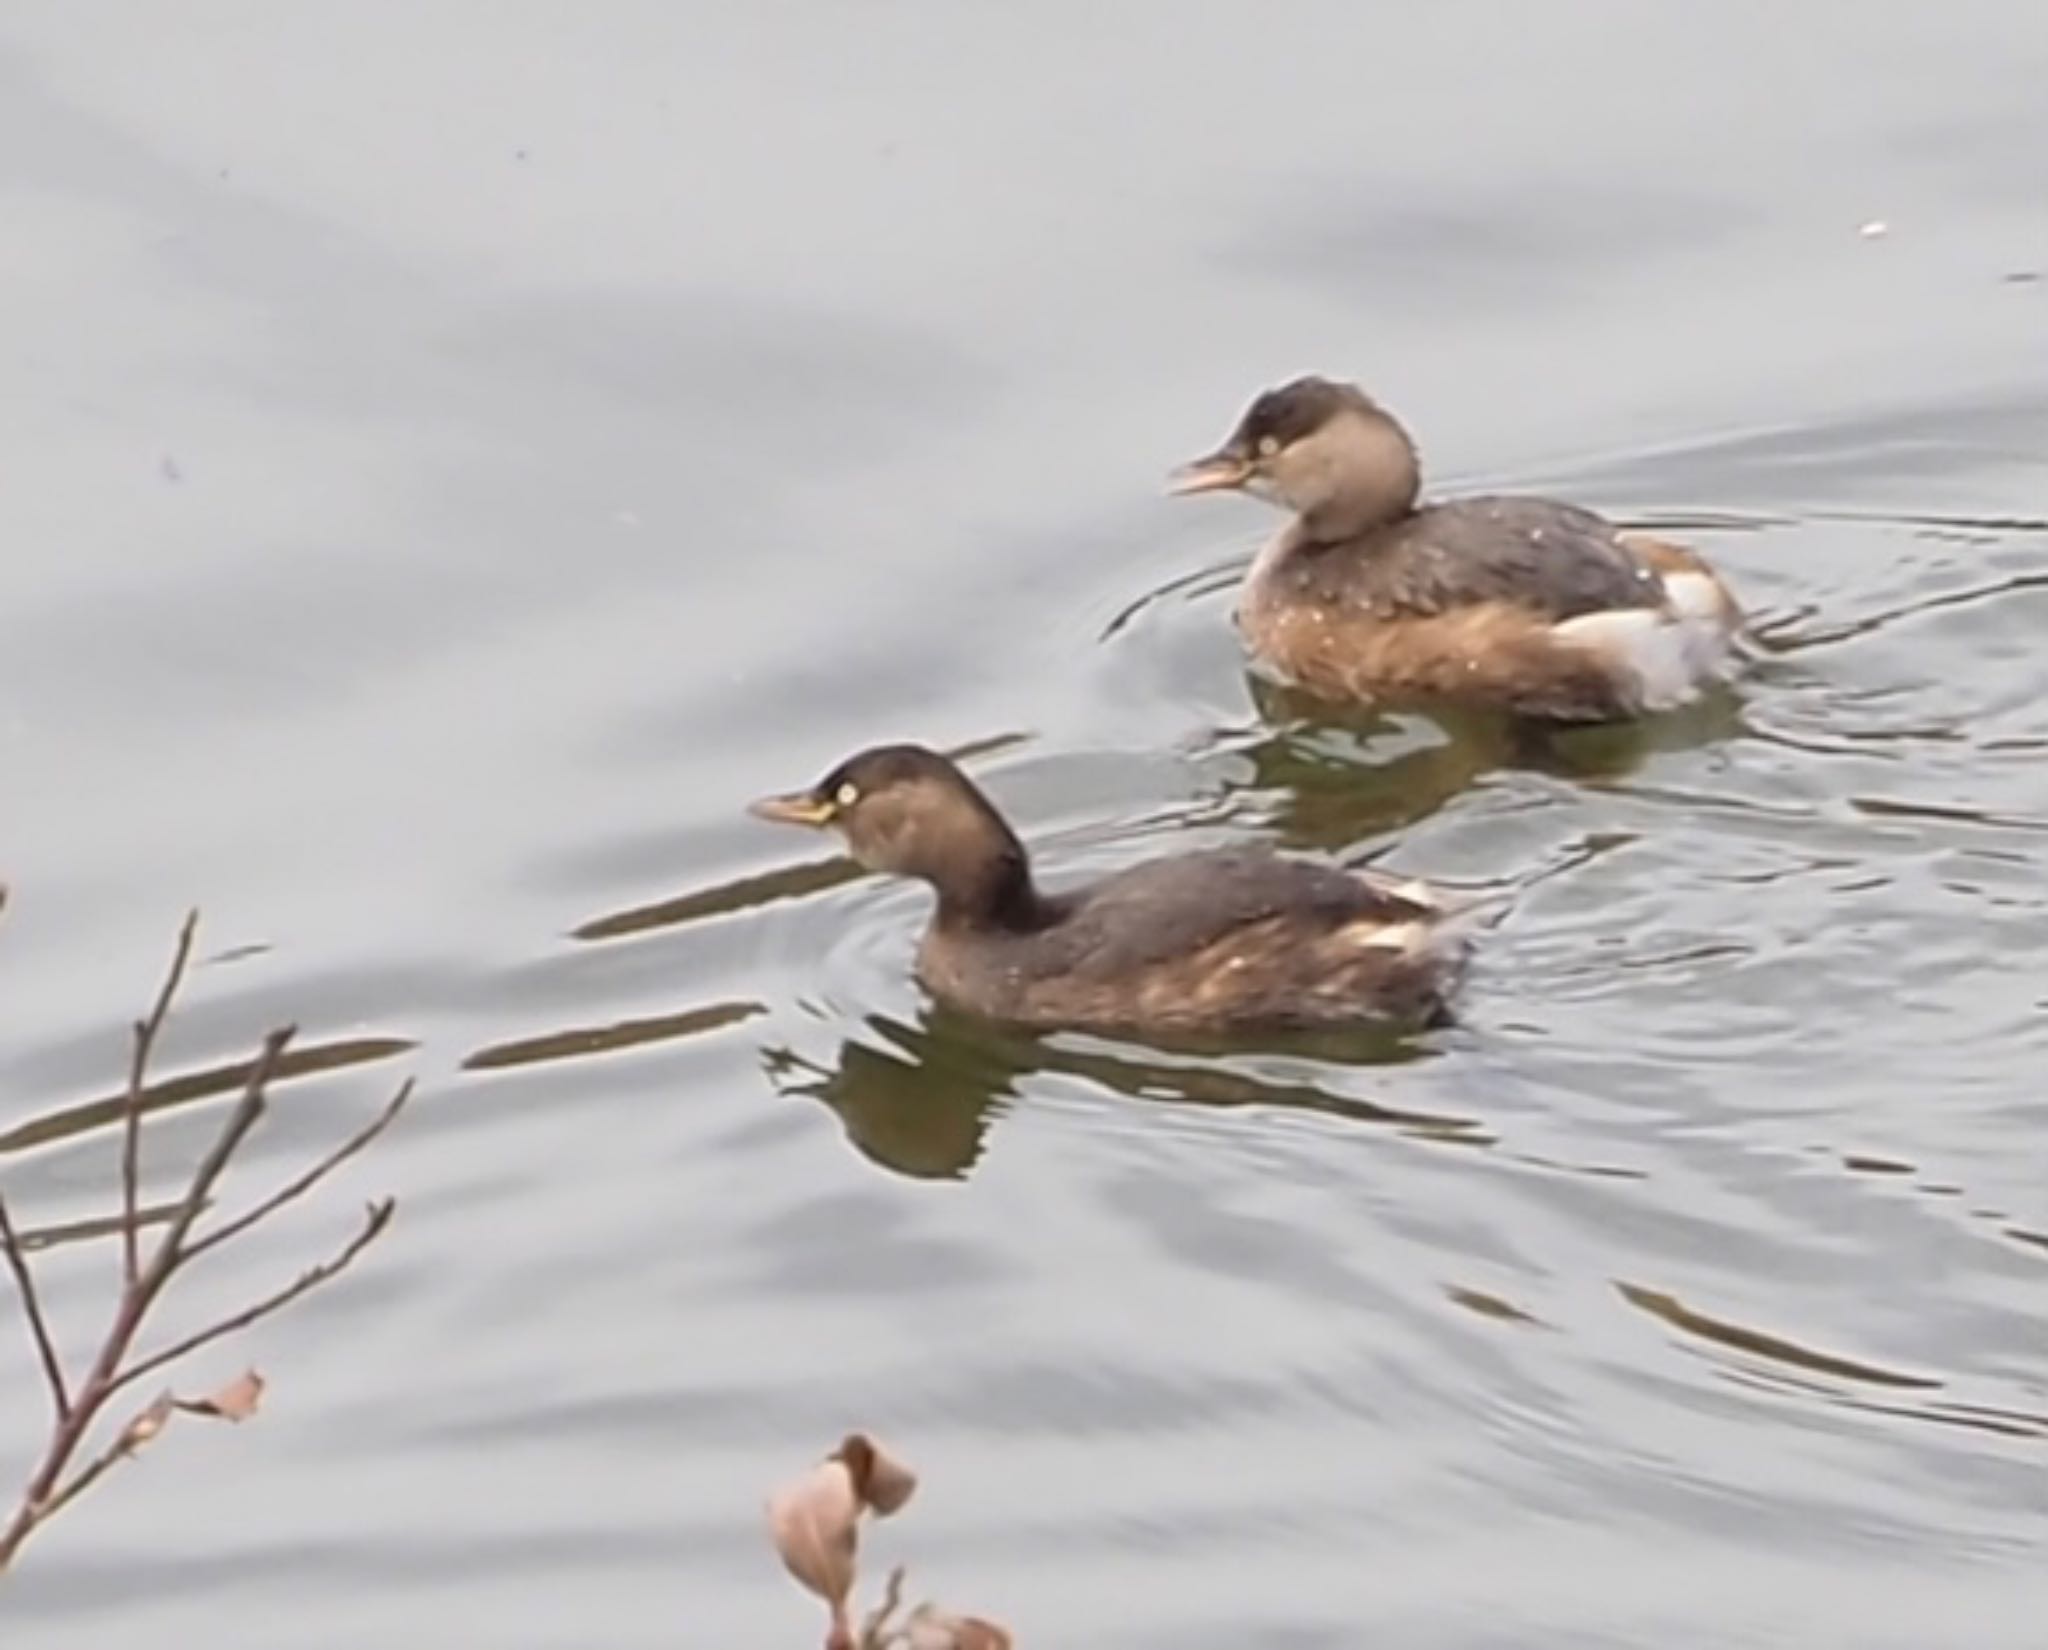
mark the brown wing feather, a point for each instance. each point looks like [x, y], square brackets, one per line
[1496, 654]
[1175, 906]
[1460, 601]
[1553, 560]
[1233, 937]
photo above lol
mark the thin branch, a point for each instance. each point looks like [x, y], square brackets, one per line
[146, 1030]
[374, 1222]
[170, 1249]
[144, 1426]
[298, 1188]
[32, 1305]
[875, 1632]
[79, 1408]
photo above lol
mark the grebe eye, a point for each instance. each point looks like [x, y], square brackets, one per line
[847, 794]
[1268, 446]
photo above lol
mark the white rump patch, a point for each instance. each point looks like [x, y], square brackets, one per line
[1673, 650]
[1412, 889]
[1417, 892]
[1697, 599]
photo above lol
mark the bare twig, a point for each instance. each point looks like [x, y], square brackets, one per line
[374, 1222]
[170, 1248]
[32, 1308]
[55, 1482]
[142, 1427]
[298, 1188]
[146, 1030]
[875, 1631]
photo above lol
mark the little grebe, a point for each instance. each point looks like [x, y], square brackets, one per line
[1229, 939]
[1525, 605]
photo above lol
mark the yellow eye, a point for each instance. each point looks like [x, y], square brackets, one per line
[1268, 446]
[847, 794]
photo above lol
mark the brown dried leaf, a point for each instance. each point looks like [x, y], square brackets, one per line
[882, 1482]
[236, 1401]
[146, 1425]
[930, 1628]
[814, 1523]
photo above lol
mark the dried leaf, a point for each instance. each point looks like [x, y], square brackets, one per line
[236, 1401]
[882, 1482]
[930, 1628]
[146, 1425]
[814, 1523]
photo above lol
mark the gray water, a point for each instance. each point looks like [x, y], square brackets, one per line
[457, 454]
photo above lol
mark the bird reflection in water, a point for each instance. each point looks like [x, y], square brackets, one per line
[1335, 775]
[920, 1097]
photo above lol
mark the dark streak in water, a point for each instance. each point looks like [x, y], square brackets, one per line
[1996, 525]
[1865, 743]
[1490, 1306]
[1756, 1342]
[1934, 604]
[199, 1085]
[1592, 1171]
[1880, 807]
[2002, 1423]
[239, 953]
[1876, 1165]
[1999, 1423]
[583, 1041]
[1712, 802]
[972, 749]
[1203, 581]
[99, 1226]
[741, 894]
[767, 888]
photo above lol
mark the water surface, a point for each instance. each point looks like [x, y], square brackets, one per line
[459, 454]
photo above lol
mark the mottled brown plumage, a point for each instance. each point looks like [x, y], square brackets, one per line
[1225, 939]
[1529, 605]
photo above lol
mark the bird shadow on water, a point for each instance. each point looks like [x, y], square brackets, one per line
[919, 1096]
[1336, 774]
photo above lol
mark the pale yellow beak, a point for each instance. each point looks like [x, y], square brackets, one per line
[1218, 473]
[798, 808]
